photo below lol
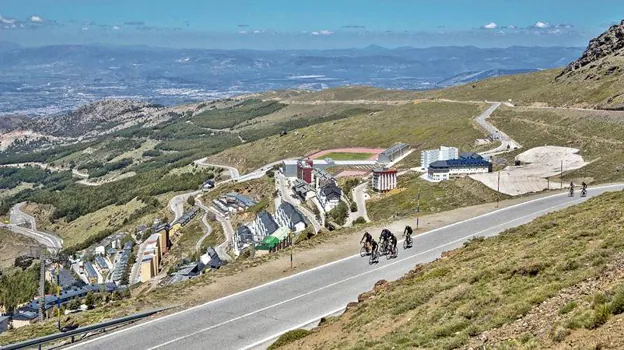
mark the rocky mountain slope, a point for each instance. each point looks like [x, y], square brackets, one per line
[608, 45]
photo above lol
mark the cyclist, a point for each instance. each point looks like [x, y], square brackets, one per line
[385, 233]
[407, 233]
[374, 247]
[571, 188]
[366, 239]
[584, 185]
[584, 189]
[393, 242]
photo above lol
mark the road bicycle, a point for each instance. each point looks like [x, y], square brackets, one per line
[393, 252]
[374, 258]
[407, 243]
[383, 247]
[365, 250]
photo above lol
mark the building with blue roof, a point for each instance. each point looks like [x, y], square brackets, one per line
[468, 163]
[101, 263]
[92, 275]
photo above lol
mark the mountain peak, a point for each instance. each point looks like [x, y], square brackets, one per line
[608, 44]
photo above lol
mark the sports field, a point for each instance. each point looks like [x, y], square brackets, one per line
[360, 153]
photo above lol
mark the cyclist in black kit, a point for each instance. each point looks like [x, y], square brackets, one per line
[392, 243]
[366, 239]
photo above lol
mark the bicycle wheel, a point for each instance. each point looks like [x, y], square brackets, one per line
[389, 255]
[371, 259]
[363, 251]
[405, 244]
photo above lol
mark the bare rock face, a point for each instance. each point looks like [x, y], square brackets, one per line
[610, 43]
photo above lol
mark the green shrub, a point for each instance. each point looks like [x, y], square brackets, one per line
[359, 221]
[289, 337]
[617, 302]
[568, 307]
[601, 316]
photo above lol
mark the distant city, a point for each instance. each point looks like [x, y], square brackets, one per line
[55, 79]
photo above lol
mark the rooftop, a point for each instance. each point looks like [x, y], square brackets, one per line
[459, 163]
[385, 171]
[90, 270]
[267, 221]
[292, 213]
[395, 148]
[330, 190]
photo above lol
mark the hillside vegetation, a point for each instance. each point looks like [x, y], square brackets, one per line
[434, 197]
[422, 125]
[516, 290]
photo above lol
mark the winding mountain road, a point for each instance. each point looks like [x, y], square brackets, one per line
[507, 143]
[254, 317]
[204, 220]
[18, 219]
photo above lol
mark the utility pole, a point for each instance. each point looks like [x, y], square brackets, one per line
[292, 246]
[42, 266]
[561, 175]
[498, 190]
[418, 210]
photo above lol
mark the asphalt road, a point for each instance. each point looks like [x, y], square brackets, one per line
[204, 220]
[18, 218]
[254, 317]
[360, 201]
[506, 141]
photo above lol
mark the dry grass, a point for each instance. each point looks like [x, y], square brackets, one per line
[592, 86]
[422, 125]
[13, 245]
[85, 226]
[434, 197]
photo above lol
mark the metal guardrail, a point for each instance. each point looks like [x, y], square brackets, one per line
[38, 342]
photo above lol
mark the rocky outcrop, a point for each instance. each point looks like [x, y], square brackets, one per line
[610, 43]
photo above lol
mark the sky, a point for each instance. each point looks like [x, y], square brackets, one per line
[304, 24]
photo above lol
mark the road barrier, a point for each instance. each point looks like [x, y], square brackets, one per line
[38, 342]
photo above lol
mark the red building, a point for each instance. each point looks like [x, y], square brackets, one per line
[304, 170]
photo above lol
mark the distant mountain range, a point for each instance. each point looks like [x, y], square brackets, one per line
[54, 79]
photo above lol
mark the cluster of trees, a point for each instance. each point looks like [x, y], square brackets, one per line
[230, 117]
[18, 286]
[340, 213]
[12, 177]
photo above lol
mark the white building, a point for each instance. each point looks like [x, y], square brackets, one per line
[264, 225]
[100, 250]
[433, 155]
[329, 196]
[384, 179]
[287, 215]
[467, 164]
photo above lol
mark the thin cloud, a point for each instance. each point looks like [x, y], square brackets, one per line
[134, 23]
[116, 28]
[490, 25]
[323, 32]
[36, 19]
[354, 26]
[243, 26]
[4, 20]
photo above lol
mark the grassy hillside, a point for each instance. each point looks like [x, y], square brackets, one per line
[13, 245]
[434, 197]
[351, 93]
[541, 88]
[599, 135]
[517, 290]
[422, 125]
